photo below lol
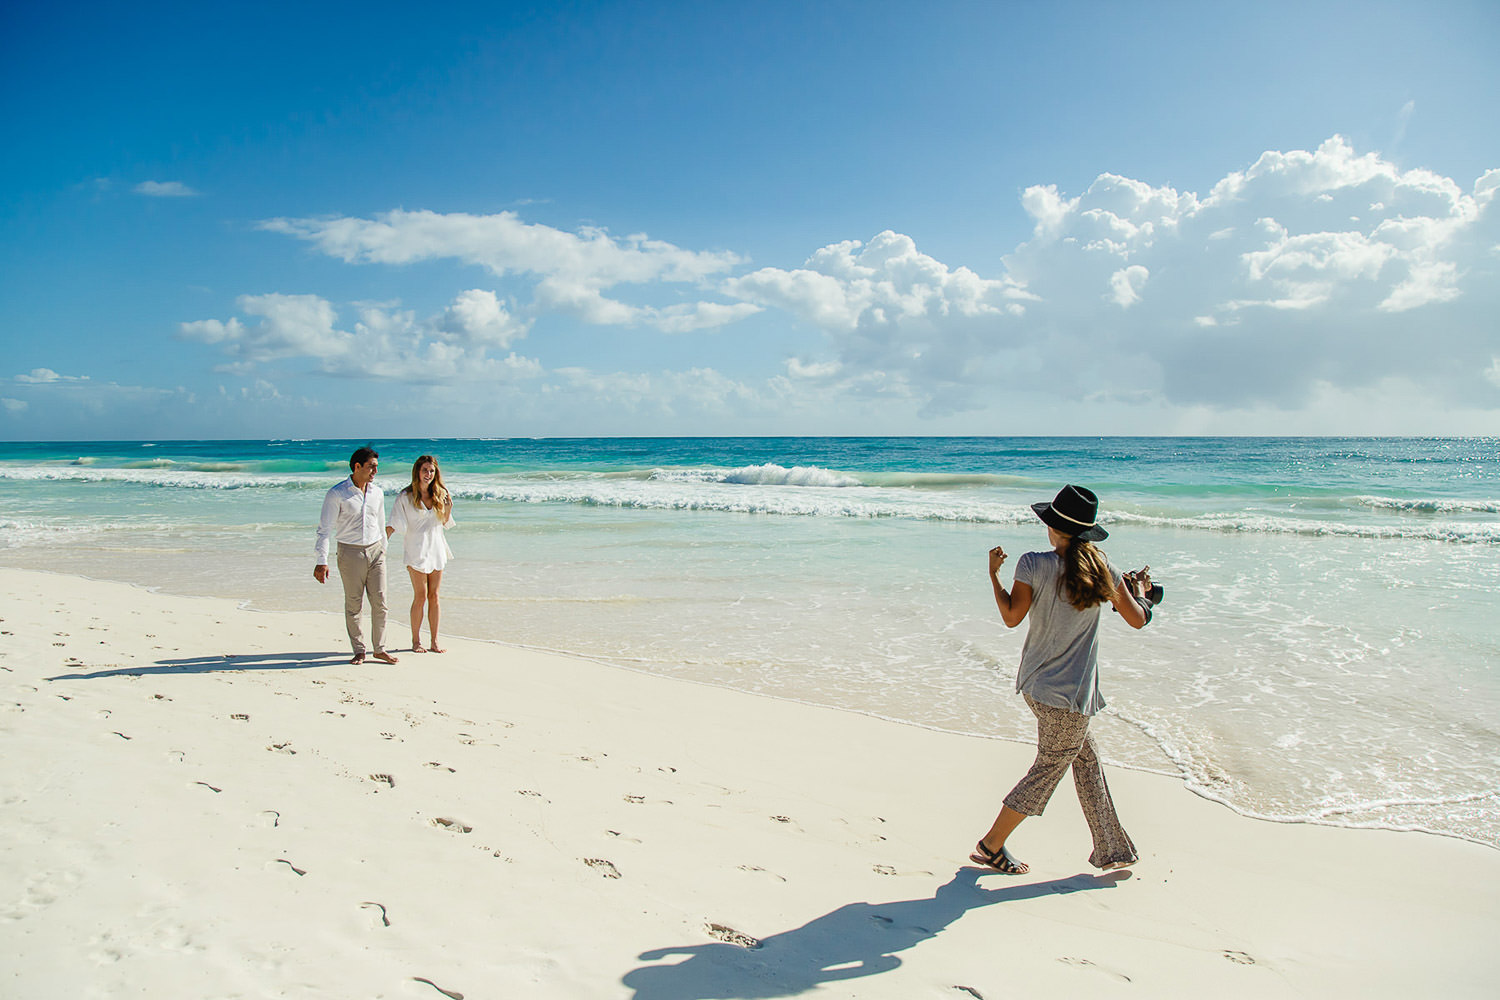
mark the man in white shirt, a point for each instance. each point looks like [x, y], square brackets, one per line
[354, 516]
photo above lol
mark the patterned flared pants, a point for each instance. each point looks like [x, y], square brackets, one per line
[1063, 740]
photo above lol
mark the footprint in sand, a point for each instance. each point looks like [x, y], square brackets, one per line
[454, 825]
[282, 747]
[888, 870]
[435, 763]
[1083, 963]
[385, 920]
[758, 868]
[271, 818]
[450, 994]
[42, 890]
[211, 788]
[240, 717]
[603, 867]
[623, 836]
[1239, 958]
[389, 781]
[969, 990]
[530, 794]
[283, 861]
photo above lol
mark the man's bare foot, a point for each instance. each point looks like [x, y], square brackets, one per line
[417, 647]
[385, 657]
[437, 649]
[358, 658]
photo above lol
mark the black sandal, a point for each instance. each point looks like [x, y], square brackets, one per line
[1001, 860]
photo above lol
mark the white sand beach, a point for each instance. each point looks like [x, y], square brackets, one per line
[204, 801]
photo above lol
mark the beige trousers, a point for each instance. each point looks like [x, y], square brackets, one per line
[362, 570]
[1063, 741]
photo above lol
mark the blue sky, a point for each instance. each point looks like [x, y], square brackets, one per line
[265, 220]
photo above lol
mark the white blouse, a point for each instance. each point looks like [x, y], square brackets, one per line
[423, 544]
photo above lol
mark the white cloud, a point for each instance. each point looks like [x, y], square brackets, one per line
[1255, 293]
[887, 282]
[1125, 285]
[573, 269]
[385, 343]
[13, 405]
[165, 189]
[478, 318]
[46, 375]
[796, 368]
[1264, 287]
[897, 316]
[1427, 282]
[290, 326]
[1307, 276]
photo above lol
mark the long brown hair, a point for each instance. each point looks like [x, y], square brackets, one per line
[1085, 580]
[442, 500]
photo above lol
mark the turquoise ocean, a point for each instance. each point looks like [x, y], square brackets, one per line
[1328, 652]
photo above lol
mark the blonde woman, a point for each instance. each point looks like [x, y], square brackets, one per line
[1063, 590]
[421, 512]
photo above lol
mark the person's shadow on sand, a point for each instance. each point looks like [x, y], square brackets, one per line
[856, 940]
[215, 664]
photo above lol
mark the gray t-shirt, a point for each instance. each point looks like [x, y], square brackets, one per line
[1060, 661]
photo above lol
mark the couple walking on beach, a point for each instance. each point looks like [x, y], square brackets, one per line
[354, 517]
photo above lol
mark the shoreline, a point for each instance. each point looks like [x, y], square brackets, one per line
[216, 803]
[624, 664]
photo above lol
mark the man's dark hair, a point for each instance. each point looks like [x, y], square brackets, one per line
[362, 456]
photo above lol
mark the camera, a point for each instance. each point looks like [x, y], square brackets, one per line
[1156, 593]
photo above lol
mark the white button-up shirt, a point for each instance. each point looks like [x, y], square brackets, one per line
[352, 516]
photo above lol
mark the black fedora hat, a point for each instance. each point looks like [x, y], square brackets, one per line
[1075, 511]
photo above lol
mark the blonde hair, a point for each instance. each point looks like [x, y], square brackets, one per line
[442, 500]
[1085, 580]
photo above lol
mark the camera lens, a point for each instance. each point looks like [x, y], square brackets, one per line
[1155, 594]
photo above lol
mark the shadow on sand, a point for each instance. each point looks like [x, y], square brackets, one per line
[856, 940]
[215, 664]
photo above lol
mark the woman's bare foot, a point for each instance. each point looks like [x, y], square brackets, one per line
[436, 648]
[417, 647]
[385, 657]
[358, 658]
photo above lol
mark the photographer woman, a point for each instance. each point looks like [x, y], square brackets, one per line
[1063, 591]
